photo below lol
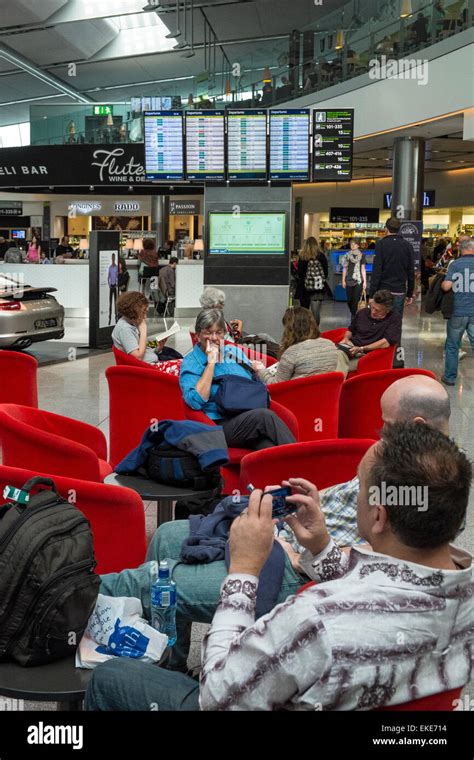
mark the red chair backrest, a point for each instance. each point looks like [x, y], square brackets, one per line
[359, 407]
[335, 335]
[127, 360]
[194, 339]
[253, 355]
[33, 436]
[324, 463]
[116, 515]
[137, 398]
[18, 379]
[376, 360]
[314, 401]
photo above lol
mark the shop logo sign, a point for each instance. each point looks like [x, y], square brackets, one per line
[127, 206]
[114, 168]
[84, 208]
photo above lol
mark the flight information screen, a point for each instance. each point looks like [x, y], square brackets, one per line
[333, 136]
[289, 144]
[205, 158]
[247, 145]
[164, 145]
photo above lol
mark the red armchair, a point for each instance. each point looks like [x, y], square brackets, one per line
[360, 415]
[374, 361]
[324, 463]
[18, 379]
[231, 471]
[127, 360]
[116, 516]
[335, 335]
[137, 397]
[314, 401]
[49, 442]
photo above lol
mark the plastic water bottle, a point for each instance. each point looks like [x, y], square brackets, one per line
[163, 604]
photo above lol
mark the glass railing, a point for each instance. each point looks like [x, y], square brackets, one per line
[365, 43]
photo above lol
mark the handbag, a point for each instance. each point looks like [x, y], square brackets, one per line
[240, 394]
[363, 301]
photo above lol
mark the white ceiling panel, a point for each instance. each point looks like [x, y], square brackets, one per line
[20, 12]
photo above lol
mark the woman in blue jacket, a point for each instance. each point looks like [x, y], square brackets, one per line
[210, 360]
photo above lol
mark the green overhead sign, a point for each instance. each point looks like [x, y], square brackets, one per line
[103, 110]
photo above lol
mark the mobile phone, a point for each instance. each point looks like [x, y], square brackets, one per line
[279, 508]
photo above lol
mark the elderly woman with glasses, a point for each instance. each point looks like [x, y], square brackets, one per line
[201, 370]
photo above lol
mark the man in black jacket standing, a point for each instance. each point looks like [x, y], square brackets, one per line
[394, 266]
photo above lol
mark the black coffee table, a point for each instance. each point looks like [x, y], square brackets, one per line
[58, 681]
[149, 490]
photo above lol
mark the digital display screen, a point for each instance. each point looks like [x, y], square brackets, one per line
[205, 156]
[247, 145]
[333, 135]
[244, 234]
[289, 144]
[164, 145]
[18, 234]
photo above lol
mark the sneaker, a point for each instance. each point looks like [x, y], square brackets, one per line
[447, 382]
[462, 354]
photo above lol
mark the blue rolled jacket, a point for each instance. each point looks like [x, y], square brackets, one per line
[194, 364]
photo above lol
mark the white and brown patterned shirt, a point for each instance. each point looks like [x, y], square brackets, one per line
[373, 631]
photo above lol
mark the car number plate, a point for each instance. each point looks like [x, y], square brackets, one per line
[42, 323]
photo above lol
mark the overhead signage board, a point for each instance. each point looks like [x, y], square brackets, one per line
[11, 208]
[205, 145]
[289, 144]
[333, 136]
[164, 145]
[103, 110]
[247, 144]
[354, 215]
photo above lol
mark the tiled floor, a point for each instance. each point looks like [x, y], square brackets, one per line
[78, 389]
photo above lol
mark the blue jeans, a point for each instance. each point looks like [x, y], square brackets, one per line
[125, 685]
[197, 586]
[455, 329]
[399, 304]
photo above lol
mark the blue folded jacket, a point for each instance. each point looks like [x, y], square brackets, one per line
[208, 542]
[206, 442]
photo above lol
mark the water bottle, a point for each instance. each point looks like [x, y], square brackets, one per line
[163, 604]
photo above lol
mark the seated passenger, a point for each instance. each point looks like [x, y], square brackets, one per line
[411, 399]
[130, 333]
[201, 369]
[347, 643]
[377, 326]
[303, 351]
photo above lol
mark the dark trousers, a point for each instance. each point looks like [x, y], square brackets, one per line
[256, 429]
[112, 297]
[353, 293]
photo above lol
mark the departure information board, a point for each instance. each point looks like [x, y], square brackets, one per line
[205, 158]
[247, 145]
[333, 135]
[289, 144]
[164, 145]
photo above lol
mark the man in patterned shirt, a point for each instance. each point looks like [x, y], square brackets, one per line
[382, 625]
[415, 398]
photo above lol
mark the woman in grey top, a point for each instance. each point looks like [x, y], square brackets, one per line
[302, 352]
[129, 334]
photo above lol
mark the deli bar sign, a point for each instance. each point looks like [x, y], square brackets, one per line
[72, 165]
[354, 215]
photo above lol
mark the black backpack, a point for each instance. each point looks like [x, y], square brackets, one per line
[48, 588]
[315, 278]
[175, 467]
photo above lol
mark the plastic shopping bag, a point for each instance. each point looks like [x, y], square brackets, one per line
[116, 628]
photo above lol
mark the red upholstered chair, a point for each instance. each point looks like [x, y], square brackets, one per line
[335, 335]
[137, 397]
[232, 470]
[314, 401]
[360, 415]
[127, 360]
[324, 463]
[49, 442]
[18, 383]
[194, 339]
[116, 516]
[374, 361]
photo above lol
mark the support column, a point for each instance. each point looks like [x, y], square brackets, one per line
[408, 178]
[159, 217]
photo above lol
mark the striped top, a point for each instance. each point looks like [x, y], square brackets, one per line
[375, 630]
[310, 357]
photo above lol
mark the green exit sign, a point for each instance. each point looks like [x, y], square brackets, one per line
[103, 110]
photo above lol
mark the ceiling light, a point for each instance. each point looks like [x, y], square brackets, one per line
[406, 9]
[267, 77]
[340, 41]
